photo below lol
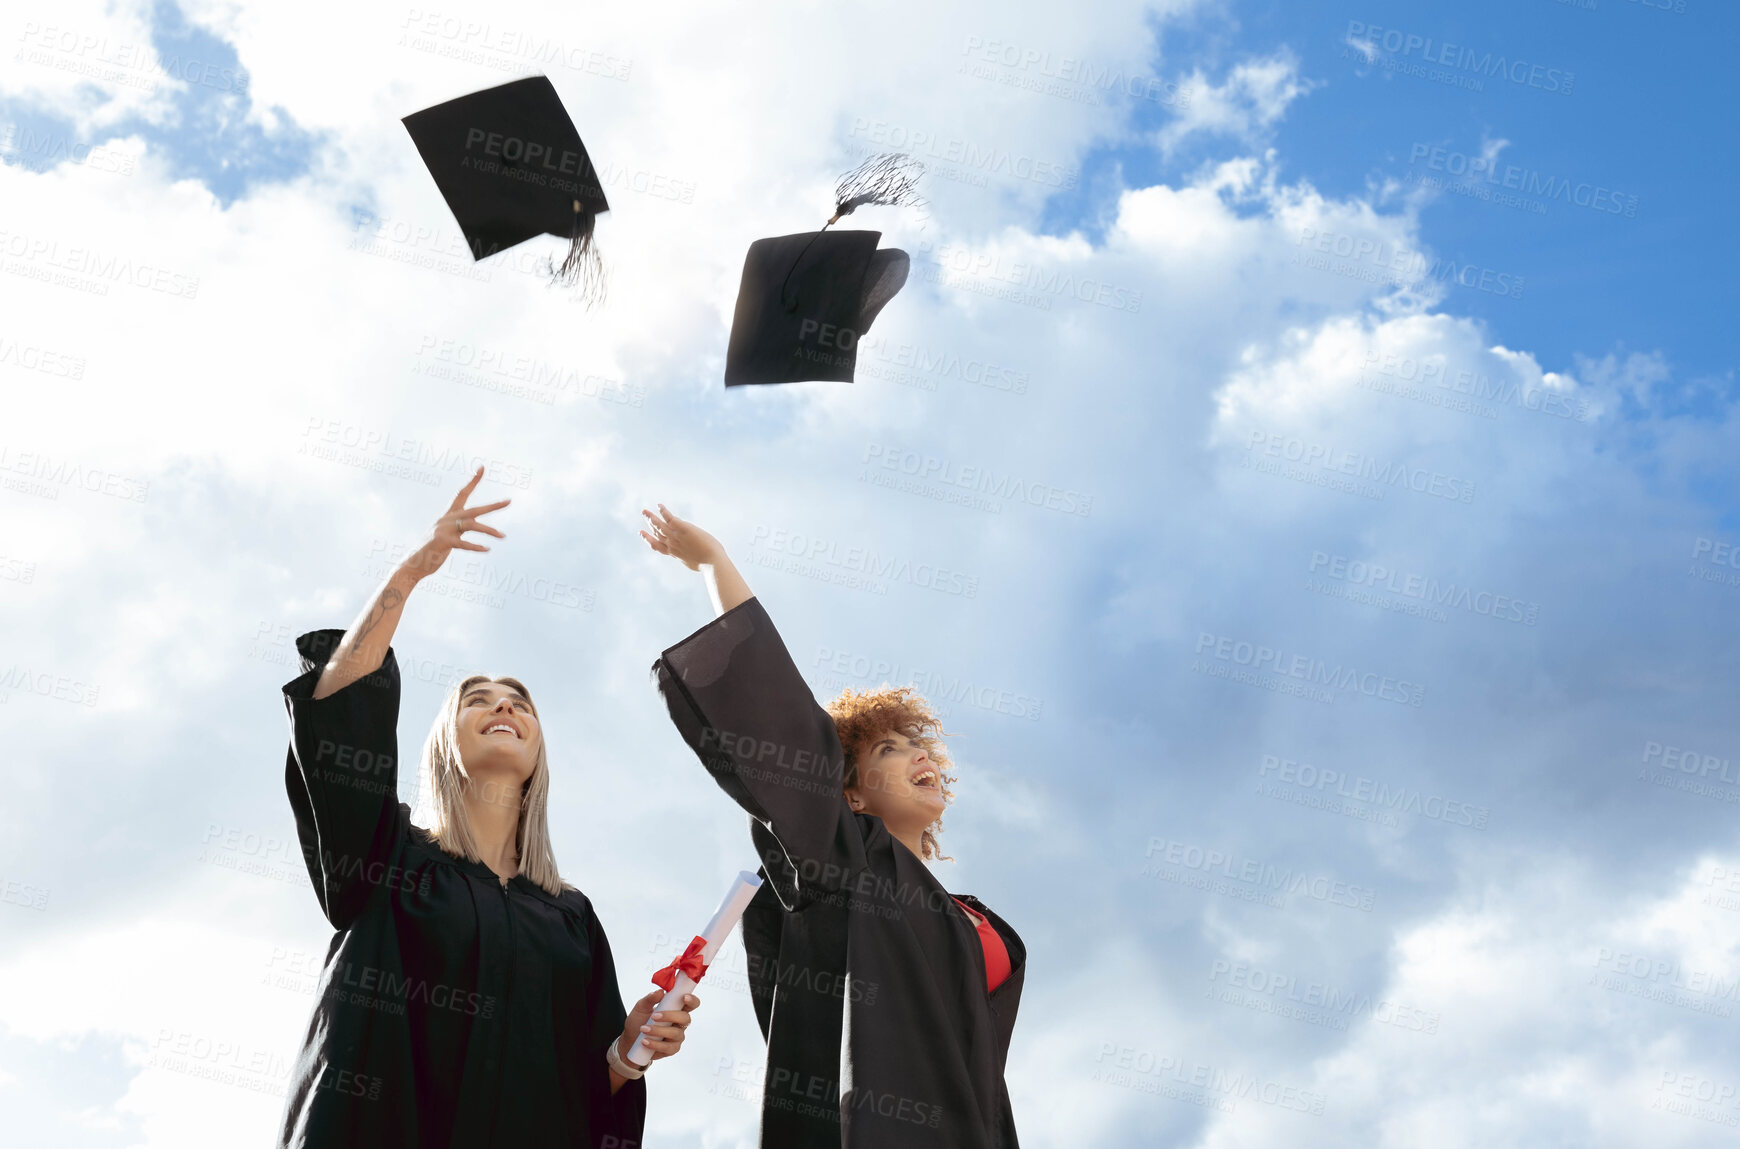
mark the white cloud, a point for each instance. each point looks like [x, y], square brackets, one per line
[1145, 362]
[1504, 996]
[1244, 106]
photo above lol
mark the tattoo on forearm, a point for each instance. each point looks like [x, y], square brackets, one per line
[389, 599]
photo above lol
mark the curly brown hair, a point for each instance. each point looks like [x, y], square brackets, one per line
[860, 715]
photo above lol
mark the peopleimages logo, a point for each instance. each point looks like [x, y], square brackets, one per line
[1724, 554]
[1384, 472]
[1266, 875]
[31, 358]
[41, 151]
[947, 473]
[1311, 670]
[853, 566]
[86, 53]
[1275, 991]
[1670, 973]
[1359, 788]
[518, 154]
[1374, 261]
[973, 157]
[936, 686]
[1695, 762]
[504, 48]
[1424, 588]
[64, 473]
[958, 265]
[1068, 70]
[1526, 180]
[912, 358]
[89, 269]
[1559, 401]
[1370, 38]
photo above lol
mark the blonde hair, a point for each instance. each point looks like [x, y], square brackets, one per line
[446, 783]
[860, 715]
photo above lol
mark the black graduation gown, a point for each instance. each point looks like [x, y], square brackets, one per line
[869, 981]
[452, 1010]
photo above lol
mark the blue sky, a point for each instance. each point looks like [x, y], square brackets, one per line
[1631, 123]
[1638, 119]
[244, 360]
[208, 130]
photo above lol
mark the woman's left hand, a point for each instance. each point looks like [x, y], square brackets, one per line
[662, 1029]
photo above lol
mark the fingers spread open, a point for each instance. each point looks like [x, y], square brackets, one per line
[459, 500]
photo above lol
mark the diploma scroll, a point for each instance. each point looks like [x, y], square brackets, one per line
[680, 976]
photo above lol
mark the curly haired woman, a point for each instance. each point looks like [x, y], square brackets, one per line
[887, 1003]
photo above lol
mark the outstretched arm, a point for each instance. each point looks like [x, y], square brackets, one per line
[698, 550]
[365, 644]
[341, 772]
[741, 704]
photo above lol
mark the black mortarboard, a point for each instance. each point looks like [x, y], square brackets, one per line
[511, 166]
[806, 299]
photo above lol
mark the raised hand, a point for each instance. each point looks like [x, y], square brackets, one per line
[365, 644]
[699, 551]
[681, 539]
[448, 533]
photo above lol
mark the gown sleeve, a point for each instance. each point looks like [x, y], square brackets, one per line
[623, 1115]
[738, 700]
[342, 776]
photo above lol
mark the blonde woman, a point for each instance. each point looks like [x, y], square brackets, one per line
[887, 1003]
[469, 997]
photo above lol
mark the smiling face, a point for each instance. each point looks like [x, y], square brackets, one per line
[897, 782]
[498, 736]
[896, 766]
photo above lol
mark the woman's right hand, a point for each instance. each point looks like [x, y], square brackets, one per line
[698, 550]
[681, 539]
[448, 533]
[365, 645]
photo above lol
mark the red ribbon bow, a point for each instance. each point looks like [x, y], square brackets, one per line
[688, 962]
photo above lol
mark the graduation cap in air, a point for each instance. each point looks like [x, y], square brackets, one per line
[806, 299]
[511, 166]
